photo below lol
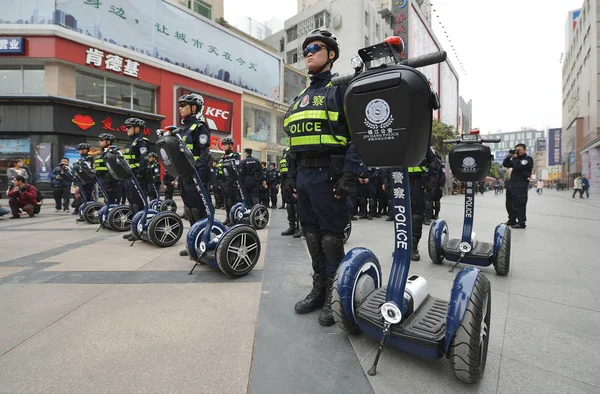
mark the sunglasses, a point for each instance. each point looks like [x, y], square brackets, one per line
[312, 48]
[128, 127]
[181, 105]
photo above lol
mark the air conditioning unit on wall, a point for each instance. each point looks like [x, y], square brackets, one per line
[337, 21]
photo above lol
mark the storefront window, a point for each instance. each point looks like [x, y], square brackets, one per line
[119, 94]
[143, 99]
[22, 79]
[293, 84]
[89, 88]
[33, 80]
[257, 123]
[281, 136]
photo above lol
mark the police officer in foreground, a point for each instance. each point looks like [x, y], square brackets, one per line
[522, 165]
[152, 176]
[196, 136]
[326, 165]
[105, 140]
[250, 172]
[136, 153]
[423, 179]
[228, 188]
[289, 200]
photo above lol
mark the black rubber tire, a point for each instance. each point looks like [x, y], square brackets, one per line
[433, 255]
[254, 218]
[159, 219]
[224, 257]
[112, 216]
[168, 206]
[468, 352]
[337, 309]
[88, 213]
[502, 263]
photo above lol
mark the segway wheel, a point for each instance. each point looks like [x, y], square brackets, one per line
[90, 212]
[119, 218]
[137, 227]
[154, 204]
[502, 262]
[357, 277]
[259, 217]
[437, 254]
[238, 251]
[469, 346]
[194, 236]
[168, 206]
[236, 214]
[347, 231]
[165, 229]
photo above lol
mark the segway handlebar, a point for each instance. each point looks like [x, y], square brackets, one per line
[415, 62]
[491, 140]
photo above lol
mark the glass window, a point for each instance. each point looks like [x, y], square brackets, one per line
[143, 99]
[11, 80]
[257, 154]
[257, 123]
[201, 8]
[292, 33]
[292, 56]
[279, 133]
[118, 94]
[33, 79]
[319, 20]
[89, 88]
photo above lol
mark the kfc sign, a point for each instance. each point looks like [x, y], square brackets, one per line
[217, 112]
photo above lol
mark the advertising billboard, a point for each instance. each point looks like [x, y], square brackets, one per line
[554, 146]
[540, 145]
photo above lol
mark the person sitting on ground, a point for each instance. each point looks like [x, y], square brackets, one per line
[22, 196]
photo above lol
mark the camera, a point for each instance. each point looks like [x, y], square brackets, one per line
[512, 151]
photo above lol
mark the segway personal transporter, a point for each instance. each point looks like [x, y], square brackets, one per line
[85, 174]
[234, 250]
[162, 205]
[162, 229]
[257, 216]
[470, 162]
[111, 215]
[389, 111]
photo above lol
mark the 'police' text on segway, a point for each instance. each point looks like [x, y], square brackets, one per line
[390, 110]
[470, 162]
[235, 250]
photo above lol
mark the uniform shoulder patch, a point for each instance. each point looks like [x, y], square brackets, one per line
[143, 150]
[203, 139]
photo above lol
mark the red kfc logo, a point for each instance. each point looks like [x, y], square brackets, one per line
[217, 112]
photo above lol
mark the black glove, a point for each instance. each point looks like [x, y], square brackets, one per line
[346, 185]
[290, 185]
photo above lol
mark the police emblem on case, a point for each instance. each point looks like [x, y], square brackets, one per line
[377, 111]
[379, 119]
[468, 164]
[305, 101]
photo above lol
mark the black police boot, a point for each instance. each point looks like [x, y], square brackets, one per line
[316, 298]
[126, 236]
[80, 219]
[415, 256]
[282, 207]
[298, 232]
[132, 238]
[427, 221]
[183, 253]
[326, 316]
[291, 230]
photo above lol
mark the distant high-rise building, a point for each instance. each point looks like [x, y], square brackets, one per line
[259, 30]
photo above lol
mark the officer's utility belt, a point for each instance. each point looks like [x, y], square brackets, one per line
[319, 160]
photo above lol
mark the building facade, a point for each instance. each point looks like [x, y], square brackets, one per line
[259, 30]
[210, 9]
[465, 116]
[580, 127]
[70, 71]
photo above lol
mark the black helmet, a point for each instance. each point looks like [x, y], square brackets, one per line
[83, 145]
[328, 39]
[106, 136]
[135, 122]
[228, 140]
[152, 154]
[193, 99]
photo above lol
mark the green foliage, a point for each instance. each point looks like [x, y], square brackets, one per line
[441, 132]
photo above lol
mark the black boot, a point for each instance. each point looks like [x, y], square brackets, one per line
[291, 230]
[183, 253]
[298, 232]
[326, 316]
[415, 256]
[316, 298]
[126, 236]
[362, 207]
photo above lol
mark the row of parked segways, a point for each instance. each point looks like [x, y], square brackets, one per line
[403, 313]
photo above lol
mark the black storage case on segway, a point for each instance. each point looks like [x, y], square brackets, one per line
[117, 165]
[470, 162]
[84, 171]
[398, 105]
[178, 160]
[230, 171]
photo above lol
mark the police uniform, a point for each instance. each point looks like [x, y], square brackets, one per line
[263, 193]
[437, 193]
[288, 197]
[250, 173]
[228, 188]
[216, 186]
[273, 181]
[108, 182]
[88, 188]
[168, 181]
[135, 152]
[422, 178]
[518, 186]
[153, 180]
[324, 159]
[367, 192]
[196, 136]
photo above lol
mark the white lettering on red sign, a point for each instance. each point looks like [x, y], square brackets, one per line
[112, 62]
[216, 113]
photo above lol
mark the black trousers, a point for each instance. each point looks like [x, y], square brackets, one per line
[62, 195]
